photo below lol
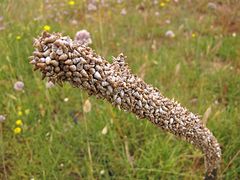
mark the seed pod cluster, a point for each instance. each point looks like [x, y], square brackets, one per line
[61, 59]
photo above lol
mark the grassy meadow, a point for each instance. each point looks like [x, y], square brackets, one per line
[188, 49]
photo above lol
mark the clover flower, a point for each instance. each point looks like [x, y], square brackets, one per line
[18, 86]
[83, 37]
[170, 34]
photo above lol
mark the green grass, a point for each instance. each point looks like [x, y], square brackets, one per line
[198, 72]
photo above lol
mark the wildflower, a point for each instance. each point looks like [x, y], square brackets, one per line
[18, 37]
[17, 130]
[104, 130]
[123, 12]
[92, 7]
[71, 3]
[47, 28]
[193, 35]
[83, 37]
[49, 84]
[18, 86]
[234, 34]
[168, 21]
[2, 118]
[157, 13]
[162, 4]
[27, 111]
[19, 122]
[20, 113]
[170, 34]
[65, 99]
[102, 172]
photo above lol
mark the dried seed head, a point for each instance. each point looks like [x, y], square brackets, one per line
[61, 59]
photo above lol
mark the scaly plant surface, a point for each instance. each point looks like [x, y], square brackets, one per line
[67, 135]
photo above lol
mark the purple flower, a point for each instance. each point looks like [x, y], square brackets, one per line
[83, 37]
[18, 86]
[2, 118]
[170, 34]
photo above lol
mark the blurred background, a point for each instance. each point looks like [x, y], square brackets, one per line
[188, 49]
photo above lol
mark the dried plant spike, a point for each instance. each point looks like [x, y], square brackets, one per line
[83, 68]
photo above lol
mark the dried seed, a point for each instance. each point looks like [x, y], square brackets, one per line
[48, 59]
[105, 83]
[97, 76]
[54, 63]
[84, 73]
[68, 62]
[73, 68]
[63, 57]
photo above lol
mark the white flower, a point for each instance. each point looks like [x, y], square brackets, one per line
[83, 37]
[168, 21]
[18, 86]
[92, 7]
[2, 118]
[170, 34]
[157, 13]
[123, 12]
[66, 99]
[102, 172]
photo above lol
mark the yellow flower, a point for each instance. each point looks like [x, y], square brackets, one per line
[162, 4]
[17, 130]
[71, 3]
[27, 111]
[18, 37]
[47, 28]
[19, 122]
[193, 35]
[20, 113]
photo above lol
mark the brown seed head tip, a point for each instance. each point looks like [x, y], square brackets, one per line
[211, 175]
